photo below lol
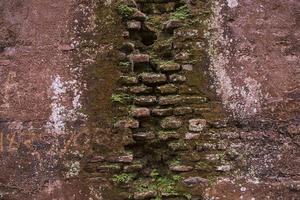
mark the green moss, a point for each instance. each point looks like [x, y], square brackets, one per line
[125, 67]
[120, 98]
[154, 20]
[181, 13]
[125, 11]
[159, 183]
[187, 196]
[123, 178]
[154, 173]
[175, 162]
[163, 47]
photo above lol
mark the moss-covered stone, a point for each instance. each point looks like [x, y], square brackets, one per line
[171, 123]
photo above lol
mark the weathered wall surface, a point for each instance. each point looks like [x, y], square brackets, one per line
[257, 65]
[39, 96]
[59, 71]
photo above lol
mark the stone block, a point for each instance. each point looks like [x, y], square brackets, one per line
[141, 89]
[109, 168]
[194, 100]
[183, 110]
[169, 67]
[171, 123]
[197, 125]
[167, 89]
[121, 159]
[147, 135]
[201, 110]
[205, 147]
[223, 168]
[172, 24]
[138, 15]
[190, 90]
[177, 78]
[162, 112]
[180, 168]
[145, 100]
[170, 100]
[178, 146]
[168, 135]
[128, 80]
[192, 136]
[134, 25]
[153, 78]
[134, 167]
[96, 159]
[126, 123]
[196, 180]
[187, 67]
[4, 62]
[140, 112]
[139, 58]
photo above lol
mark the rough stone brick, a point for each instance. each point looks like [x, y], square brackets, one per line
[147, 135]
[162, 112]
[145, 100]
[183, 110]
[223, 168]
[192, 136]
[121, 159]
[141, 89]
[167, 89]
[128, 80]
[170, 100]
[172, 24]
[153, 78]
[127, 123]
[176, 78]
[140, 112]
[134, 25]
[138, 15]
[197, 125]
[171, 123]
[194, 99]
[139, 58]
[168, 135]
[169, 67]
[180, 168]
[196, 180]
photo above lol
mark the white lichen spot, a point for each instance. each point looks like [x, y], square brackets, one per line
[241, 99]
[74, 169]
[96, 193]
[232, 3]
[243, 189]
[61, 110]
[56, 123]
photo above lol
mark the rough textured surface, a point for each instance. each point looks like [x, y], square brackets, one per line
[56, 56]
[255, 57]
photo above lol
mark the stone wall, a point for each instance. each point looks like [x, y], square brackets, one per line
[149, 99]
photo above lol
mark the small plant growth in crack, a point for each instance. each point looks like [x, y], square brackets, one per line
[120, 98]
[123, 178]
[181, 13]
[125, 11]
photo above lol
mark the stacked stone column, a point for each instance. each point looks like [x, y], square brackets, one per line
[172, 143]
